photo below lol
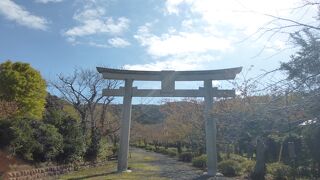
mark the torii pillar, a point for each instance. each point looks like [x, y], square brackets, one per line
[125, 127]
[168, 79]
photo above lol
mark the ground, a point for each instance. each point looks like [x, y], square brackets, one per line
[144, 165]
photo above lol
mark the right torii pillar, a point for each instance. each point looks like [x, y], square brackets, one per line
[211, 129]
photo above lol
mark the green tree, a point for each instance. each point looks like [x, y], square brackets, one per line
[73, 140]
[22, 84]
[23, 143]
[50, 142]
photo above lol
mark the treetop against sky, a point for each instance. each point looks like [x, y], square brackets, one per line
[55, 36]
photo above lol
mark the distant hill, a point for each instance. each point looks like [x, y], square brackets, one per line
[144, 114]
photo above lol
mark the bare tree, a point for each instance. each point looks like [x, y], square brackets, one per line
[83, 89]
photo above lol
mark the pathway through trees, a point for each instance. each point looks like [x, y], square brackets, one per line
[144, 165]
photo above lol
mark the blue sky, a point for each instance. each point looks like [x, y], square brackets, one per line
[55, 36]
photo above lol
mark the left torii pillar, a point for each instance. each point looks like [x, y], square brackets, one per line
[125, 127]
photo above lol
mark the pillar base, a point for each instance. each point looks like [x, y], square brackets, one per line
[216, 175]
[125, 171]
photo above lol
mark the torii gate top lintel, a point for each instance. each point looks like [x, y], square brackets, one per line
[220, 74]
[168, 79]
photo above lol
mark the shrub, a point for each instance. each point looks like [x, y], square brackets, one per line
[94, 146]
[23, 143]
[229, 167]
[200, 161]
[73, 140]
[104, 150]
[6, 133]
[171, 152]
[247, 167]
[304, 171]
[50, 142]
[161, 150]
[150, 148]
[279, 171]
[185, 157]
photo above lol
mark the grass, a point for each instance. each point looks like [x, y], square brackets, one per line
[140, 164]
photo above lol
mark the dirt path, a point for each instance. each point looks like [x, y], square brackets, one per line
[144, 165]
[171, 168]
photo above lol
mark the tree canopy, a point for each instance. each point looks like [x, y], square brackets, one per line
[22, 84]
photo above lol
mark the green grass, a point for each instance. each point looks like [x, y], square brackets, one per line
[140, 164]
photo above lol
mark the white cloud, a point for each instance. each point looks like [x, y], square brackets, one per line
[94, 25]
[172, 6]
[47, 1]
[246, 16]
[177, 62]
[98, 26]
[95, 21]
[118, 42]
[17, 13]
[180, 43]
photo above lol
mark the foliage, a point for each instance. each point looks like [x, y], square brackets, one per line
[73, 140]
[172, 152]
[150, 148]
[279, 171]
[200, 161]
[304, 64]
[7, 109]
[50, 142]
[185, 156]
[247, 167]
[22, 84]
[229, 168]
[311, 137]
[23, 143]
[105, 150]
[92, 151]
[83, 89]
[6, 133]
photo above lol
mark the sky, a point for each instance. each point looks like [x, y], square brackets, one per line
[56, 36]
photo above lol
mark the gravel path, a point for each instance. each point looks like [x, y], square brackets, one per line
[171, 168]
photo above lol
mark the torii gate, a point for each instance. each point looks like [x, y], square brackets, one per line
[168, 79]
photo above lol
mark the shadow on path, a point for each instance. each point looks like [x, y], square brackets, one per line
[92, 176]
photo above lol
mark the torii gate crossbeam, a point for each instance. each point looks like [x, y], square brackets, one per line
[168, 79]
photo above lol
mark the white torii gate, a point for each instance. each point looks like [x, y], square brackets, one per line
[168, 79]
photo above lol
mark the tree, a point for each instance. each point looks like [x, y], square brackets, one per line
[50, 142]
[83, 89]
[7, 109]
[303, 68]
[73, 145]
[22, 84]
[68, 127]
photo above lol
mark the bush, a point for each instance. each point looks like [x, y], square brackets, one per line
[161, 150]
[104, 150]
[94, 146]
[185, 157]
[6, 133]
[150, 148]
[172, 152]
[23, 143]
[229, 168]
[200, 161]
[247, 167]
[73, 140]
[50, 142]
[279, 171]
